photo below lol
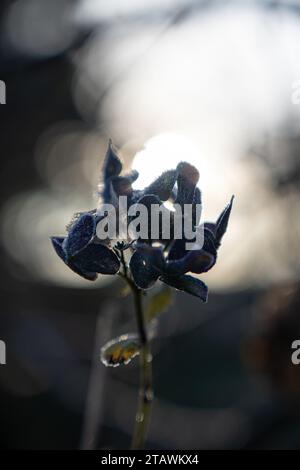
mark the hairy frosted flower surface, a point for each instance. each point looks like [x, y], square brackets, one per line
[150, 259]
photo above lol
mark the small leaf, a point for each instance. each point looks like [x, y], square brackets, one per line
[188, 284]
[159, 303]
[120, 350]
[125, 291]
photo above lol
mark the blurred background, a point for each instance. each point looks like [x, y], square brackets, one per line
[216, 83]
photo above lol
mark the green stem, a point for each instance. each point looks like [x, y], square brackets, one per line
[145, 399]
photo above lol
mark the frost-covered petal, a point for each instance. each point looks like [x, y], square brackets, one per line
[89, 276]
[122, 185]
[178, 249]
[150, 202]
[132, 176]
[112, 163]
[143, 273]
[153, 253]
[188, 284]
[97, 258]
[222, 221]
[195, 261]
[187, 180]
[181, 260]
[80, 235]
[200, 261]
[77, 216]
[209, 243]
[163, 185]
[211, 226]
[145, 265]
[57, 243]
[197, 201]
[109, 195]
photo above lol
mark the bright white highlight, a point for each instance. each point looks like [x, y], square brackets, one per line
[162, 153]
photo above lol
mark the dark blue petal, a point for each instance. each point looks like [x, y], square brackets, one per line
[123, 184]
[152, 253]
[195, 261]
[112, 163]
[209, 243]
[222, 221]
[163, 185]
[132, 176]
[177, 267]
[160, 215]
[97, 258]
[109, 195]
[212, 227]
[77, 216]
[178, 249]
[201, 261]
[196, 202]
[57, 243]
[145, 267]
[188, 284]
[80, 235]
[89, 276]
[187, 180]
[148, 200]
[136, 195]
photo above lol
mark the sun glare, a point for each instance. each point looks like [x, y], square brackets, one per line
[162, 152]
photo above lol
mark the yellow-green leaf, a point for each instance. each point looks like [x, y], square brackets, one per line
[159, 303]
[120, 350]
[125, 291]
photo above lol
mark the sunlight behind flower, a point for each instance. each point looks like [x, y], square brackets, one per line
[160, 153]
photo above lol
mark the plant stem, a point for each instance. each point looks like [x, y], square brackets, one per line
[145, 399]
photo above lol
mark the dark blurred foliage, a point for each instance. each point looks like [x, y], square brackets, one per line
[268, 352]
[270, 348]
